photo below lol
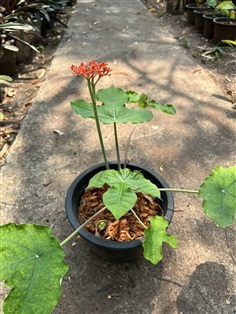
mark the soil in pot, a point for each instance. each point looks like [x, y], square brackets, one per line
[224, 29]
[113, 251]
[105, 225]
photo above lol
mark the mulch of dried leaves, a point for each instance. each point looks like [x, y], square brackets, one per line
[106, 226]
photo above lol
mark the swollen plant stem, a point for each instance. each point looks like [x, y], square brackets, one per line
[117, 146]
[82, 226]
[127, 147]
[91, 87]
[137, 217]
[177, 190]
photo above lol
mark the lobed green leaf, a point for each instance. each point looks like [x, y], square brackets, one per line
[113, 108]
[218, 192]
[83, 108]
[133, 96]
[155, 235]
[121, 196]
[32, 265]
[112, 96]
[166, 108]
[114, 114]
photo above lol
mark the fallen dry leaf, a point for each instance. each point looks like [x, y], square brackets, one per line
[4, 150]
[11, 93]
[58, 132]
[34, 82]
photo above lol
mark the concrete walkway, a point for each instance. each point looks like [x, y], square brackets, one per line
[198, 277]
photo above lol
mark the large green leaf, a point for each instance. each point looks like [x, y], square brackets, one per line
[32, 264]
[83, 108]
[113, 108]
[133, 96]
[8, 27]
[121, 196]
[211, 3]
[218, 192]
[112, 96]
[119, 200]
[166, 108]
[115, 114]
[155, 235]
[225, 7]
[144, 103]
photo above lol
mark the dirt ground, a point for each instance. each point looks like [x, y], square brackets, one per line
[19, 97]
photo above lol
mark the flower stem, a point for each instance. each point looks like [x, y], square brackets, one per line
[82, 226]
[91, 87]
[117, 146]
[177, 190]
[127, 147]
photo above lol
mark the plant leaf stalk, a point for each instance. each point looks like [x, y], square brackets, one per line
[177, 190]
[91, 86]
[117, 146]
[82, 226]
[127, 147]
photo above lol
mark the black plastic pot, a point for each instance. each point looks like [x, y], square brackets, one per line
[118, 252]
[190, 12]
[223, 29]
[209, 25]
[199, 21]
[8, 62]
[191, 2]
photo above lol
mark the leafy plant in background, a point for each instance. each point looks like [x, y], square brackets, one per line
[212, 4]
[20, 14]
[5, 80]
[32, 260]
[212, 53]
[226, 8]
[6, 35]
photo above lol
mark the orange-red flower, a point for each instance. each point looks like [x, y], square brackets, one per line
[91, 70]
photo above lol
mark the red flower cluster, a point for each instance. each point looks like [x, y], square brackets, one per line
[91, 70]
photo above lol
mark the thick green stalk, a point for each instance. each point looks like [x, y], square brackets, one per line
[127, 147]
[82, 226]
[91, 87]
[117, 146]
[177, 190]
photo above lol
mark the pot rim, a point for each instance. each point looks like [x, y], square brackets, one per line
[194, 6]
[200, 11]
[72, 199]
[220, 20]
[209, 15]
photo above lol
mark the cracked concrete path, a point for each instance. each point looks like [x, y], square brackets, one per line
[198, 277]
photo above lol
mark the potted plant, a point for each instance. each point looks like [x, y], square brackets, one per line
[225, 27]
[199, 13]
[8, 46]
[32, 261]
[209, 24]
[199, 5]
